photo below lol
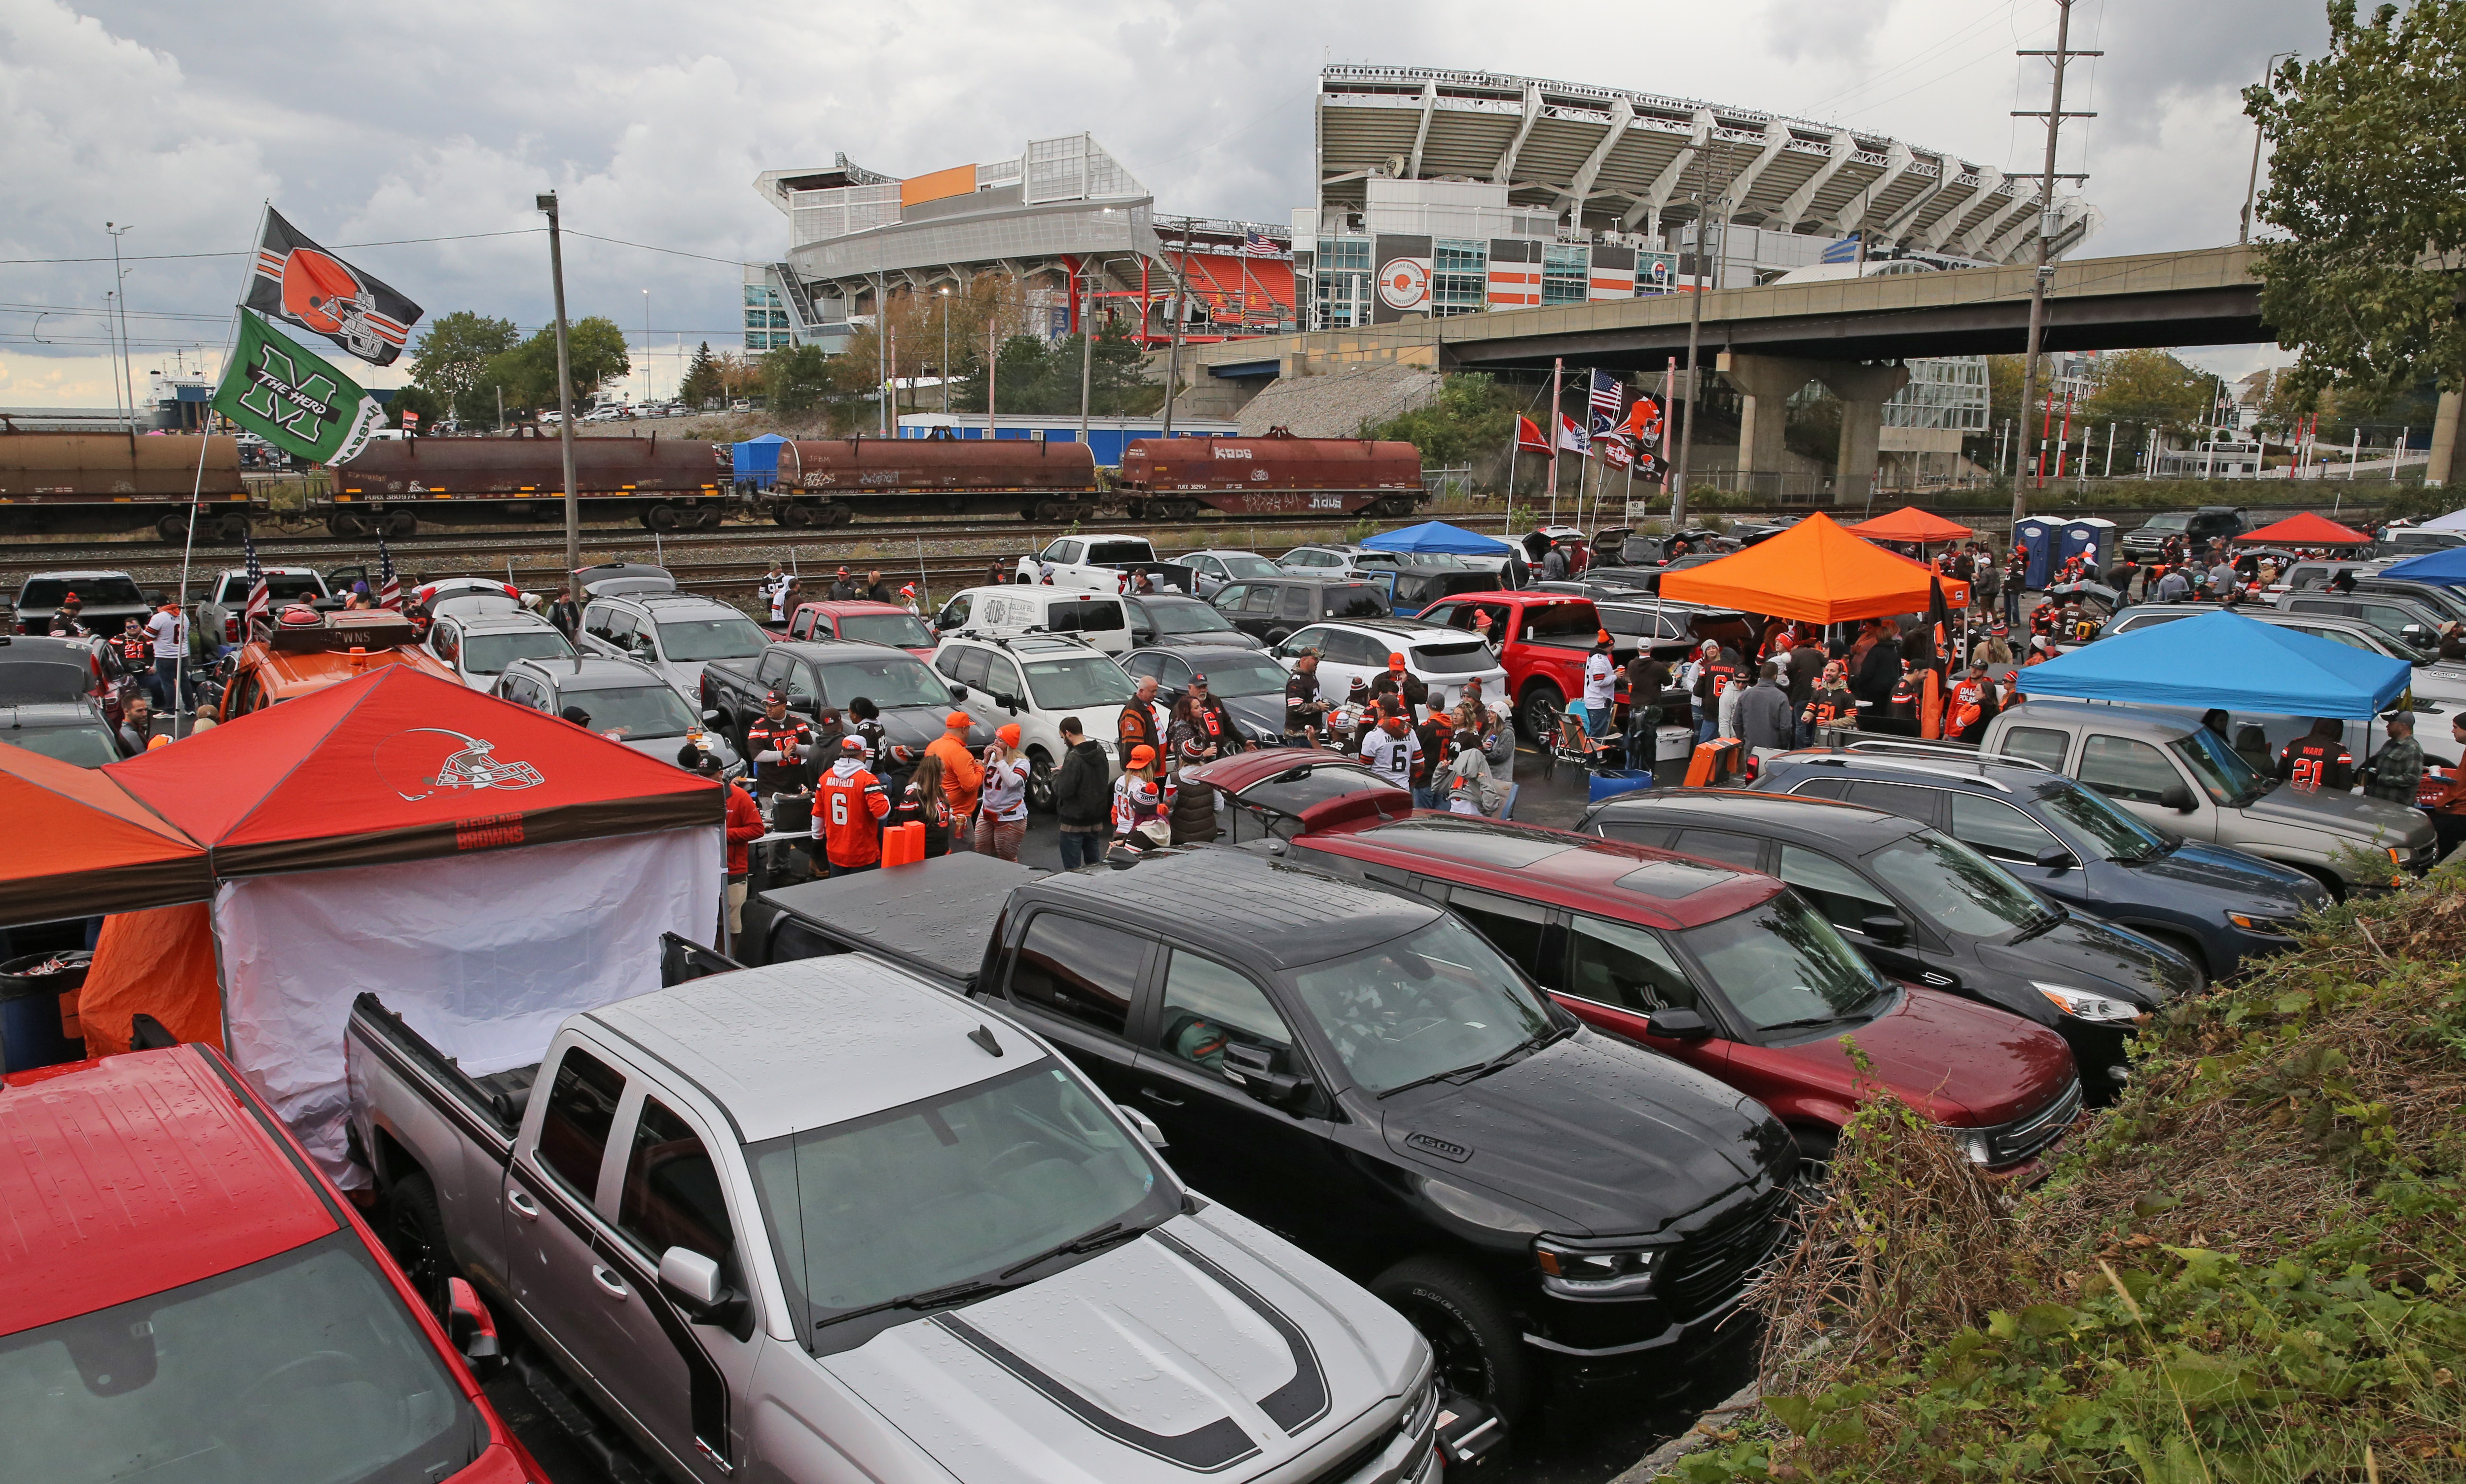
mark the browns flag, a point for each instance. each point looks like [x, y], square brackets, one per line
[295, 280]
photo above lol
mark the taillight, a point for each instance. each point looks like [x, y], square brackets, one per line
[231, 628]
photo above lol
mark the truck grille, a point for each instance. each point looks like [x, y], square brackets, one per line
[2022, 1137]
[1711, 1267]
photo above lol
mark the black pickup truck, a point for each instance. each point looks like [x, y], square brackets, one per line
[1362, 1074]
[912, 699]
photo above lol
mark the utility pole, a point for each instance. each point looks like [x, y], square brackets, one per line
[881, 353]
[547, 202]
[118, 298]
[946, 350]
[2252, 186]
[1087, 352]
[1180, 312]
[1694, 382]
[2054, 115]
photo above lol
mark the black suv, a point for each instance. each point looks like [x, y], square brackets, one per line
[1271, 610]
[2198, 528]
[1926, 910]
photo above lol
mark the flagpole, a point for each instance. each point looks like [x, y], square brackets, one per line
[197, 488]
[547, 202]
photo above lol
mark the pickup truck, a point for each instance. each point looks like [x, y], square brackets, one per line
[1543, 640]
[1097, 561]
[1365, 1074]
[220, 614]
[822, 1220]
[831, 672]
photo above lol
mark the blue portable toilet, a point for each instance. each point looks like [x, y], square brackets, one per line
[757, 461]
[2091, 537]
[2038, 538]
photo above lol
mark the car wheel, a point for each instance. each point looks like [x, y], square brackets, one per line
[1537, 714]
[414, 1233]
[1815, 1147]
[2188, 948]
[1039, 781]
[1478, 1349]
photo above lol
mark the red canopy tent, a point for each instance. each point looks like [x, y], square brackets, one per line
[1816, 572]
[79, 845]
[486, 868]
[1909, 523]
[2306, 529]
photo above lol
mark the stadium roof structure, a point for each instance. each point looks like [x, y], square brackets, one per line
[1630, 162]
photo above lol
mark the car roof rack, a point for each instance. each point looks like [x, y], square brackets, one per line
[1947, 750]
[1903, 765]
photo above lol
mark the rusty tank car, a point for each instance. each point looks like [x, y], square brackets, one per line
[667, 483]
[1278, 474]
[830, 482]
[113, 482]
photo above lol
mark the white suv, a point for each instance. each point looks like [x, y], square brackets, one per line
[1441, 658]
[1034, 681]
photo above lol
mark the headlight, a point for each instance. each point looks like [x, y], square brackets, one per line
[2253, 922]
[1971, 1143]
[2082, 1006]
[1421, 1399]
[1574, 1269]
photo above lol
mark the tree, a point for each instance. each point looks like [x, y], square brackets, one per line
[701, 386]
[451, 360]
[2366, 183]
[798, 380]
[2151, 389]
[1472, 417]
[414, 398]
[595, 355]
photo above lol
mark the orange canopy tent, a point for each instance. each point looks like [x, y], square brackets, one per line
[1816, 572]
[1909, 523]
[2306, 529]
[80, 847]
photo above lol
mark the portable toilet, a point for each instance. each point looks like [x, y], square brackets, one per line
[757, 461]
[2089, 537]
[2037, 537]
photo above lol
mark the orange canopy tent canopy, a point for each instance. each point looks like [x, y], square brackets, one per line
[1909, 523]
[2307, 529]
[1816, 572]
[80, 847]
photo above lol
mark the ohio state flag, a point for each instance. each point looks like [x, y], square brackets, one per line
[295, 280]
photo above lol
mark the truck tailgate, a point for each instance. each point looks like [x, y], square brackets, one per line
[931, 918]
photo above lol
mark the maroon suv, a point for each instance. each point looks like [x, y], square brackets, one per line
[1726, 970]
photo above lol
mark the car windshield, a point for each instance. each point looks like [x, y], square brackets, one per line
[1245, 676]
[1958, 890]
[951, 1189]
[2178, 521]
[489, 654]
[1079, 680]
[1782, 964]
[1186, 619]
[281, 587]
[48, 593]
[1238, 568]
[46, 679]
[305, 1367]
[87, 746]
[1102, 552]
[692, 640]
[2225, 777]
[634, 710]
[2096, 827]
[898, 630]
[1438, 998]
[1548, 622]
[1464, 657]
[887, 679]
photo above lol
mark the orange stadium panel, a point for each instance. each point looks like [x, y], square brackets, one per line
[956, 181]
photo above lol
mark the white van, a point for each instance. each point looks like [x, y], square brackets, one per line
[1005, 612]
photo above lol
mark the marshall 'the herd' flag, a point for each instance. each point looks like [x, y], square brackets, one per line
[292, 399]
[297, 280]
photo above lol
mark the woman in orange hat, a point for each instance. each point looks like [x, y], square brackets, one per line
[1002, 822]
[1139, 804]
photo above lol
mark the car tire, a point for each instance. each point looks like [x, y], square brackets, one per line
[1538, 712]
[414, 1233]
[1039, 781]
[1479, 1348]
[2186, 947]
[1815, 1148]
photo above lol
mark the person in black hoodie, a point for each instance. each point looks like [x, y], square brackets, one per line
[1082, 797]
[1880, 671]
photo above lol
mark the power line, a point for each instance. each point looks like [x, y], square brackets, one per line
[462, 237]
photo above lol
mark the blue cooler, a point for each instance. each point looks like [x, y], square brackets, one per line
[1609, 784]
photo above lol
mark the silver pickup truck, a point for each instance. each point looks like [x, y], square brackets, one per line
[823, 1221]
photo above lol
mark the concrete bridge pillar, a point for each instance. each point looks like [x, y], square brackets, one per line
[1767, 383]
[1863, 390]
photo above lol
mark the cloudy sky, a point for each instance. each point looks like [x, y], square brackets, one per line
[443, 120]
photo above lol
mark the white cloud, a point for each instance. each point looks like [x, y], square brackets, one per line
[375, 124]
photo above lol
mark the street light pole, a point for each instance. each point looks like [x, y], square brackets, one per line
[2252, 186]
[946, 350]
[646, 347]
[1180, 312]
[547, 202]
[119, 302]
[1086, 350]
[2054, 117]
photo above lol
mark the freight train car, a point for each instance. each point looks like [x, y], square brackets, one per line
[830, 482]
[107, 481]
[1173, 478]
[393, 486]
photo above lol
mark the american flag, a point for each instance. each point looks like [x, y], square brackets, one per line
[1607, 392]
[1256, 244]
[261, 600]
[388, 586]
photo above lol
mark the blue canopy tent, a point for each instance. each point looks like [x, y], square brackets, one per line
[2225, 659]
[1437, 538]
[2446, 567]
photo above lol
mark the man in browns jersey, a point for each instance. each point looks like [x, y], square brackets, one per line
[849, 811]
[775, 742]
[1392, 750]
[2318, 759]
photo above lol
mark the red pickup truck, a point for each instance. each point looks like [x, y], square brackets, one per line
[1543, 639]
[863, 621]
[181, 1291]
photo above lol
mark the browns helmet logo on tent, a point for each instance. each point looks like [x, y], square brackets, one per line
[430, 758]
[295, 280]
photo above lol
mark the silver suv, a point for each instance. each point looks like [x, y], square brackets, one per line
[673, 633]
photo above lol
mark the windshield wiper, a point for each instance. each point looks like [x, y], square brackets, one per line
[1535, 1042]
[1811, 1021]
[1104, 1236]
[929, 1298]
[2045, 921]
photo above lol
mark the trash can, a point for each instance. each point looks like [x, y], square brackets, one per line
[37, 1002]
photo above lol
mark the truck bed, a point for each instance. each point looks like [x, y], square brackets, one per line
[494, 1102]
[931, 918]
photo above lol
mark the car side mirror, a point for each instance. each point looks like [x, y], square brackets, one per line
[958, 692]
[1143, 637]
[1146, 1127]
[2416, 634]
[1884, 928]
[1250, 1069]
[1006, 701]
[1677, 1026]
[472, 1329]
[710, 715]
[2176, 796]
[692, 1281]
[2055, 857]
